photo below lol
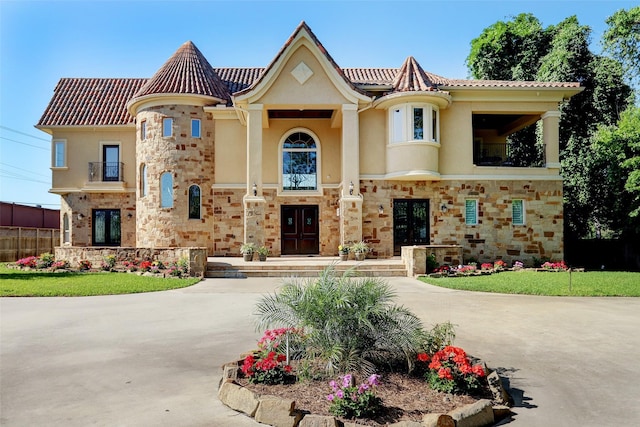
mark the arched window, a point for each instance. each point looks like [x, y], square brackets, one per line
[66, 232]
[194, 202]
[143, 180]
[299, 163]
[166, 190]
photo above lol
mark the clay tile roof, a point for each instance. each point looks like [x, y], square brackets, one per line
[188, 72]
[90, 102]
[370, 76]
[411, 77]
[460, 83]
[238, 79]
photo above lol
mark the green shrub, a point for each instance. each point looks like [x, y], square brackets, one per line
[351, 324]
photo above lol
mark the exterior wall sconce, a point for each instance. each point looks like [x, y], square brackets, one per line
[255, 189]
[80, 216]
[443, 208]
[351, 188]
[129, 215]
[380, 209]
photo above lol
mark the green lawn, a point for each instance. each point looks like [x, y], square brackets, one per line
[19, 283]
[547, 283]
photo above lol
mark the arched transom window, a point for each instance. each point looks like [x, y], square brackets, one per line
[299, 163]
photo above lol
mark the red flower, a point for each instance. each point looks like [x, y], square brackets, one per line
[445, 373]
[423, 357]
[287, 368]
[478, 370]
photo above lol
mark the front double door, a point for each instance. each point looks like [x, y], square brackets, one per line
[410, 223]
[300, 230]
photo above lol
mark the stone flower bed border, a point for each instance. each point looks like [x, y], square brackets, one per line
[280, 412]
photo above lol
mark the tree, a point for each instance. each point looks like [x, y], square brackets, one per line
[521, 49]
[622, 41]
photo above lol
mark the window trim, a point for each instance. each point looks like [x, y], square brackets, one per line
[476, 216]
[54, 153]
[522, 212]
[164, 127]
[199, 202]
[318, 149]
[199, 128]
[162, 188]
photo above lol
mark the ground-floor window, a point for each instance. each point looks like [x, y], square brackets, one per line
[106, 227]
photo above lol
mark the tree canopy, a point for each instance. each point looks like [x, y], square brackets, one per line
[522, 49]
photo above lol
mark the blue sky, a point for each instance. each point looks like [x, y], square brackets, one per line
[43, 41]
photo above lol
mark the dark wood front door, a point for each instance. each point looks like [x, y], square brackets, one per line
[410, 223]
[300, 230]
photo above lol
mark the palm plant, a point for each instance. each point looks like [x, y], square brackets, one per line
[351, 324]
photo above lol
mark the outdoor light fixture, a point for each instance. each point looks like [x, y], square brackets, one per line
[255, 189]
[380, 209]
[351, 188]
[80, 216]
[129, 215]
[443, 207]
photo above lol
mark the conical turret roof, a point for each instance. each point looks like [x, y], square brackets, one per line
[411, 77]
[186, 72]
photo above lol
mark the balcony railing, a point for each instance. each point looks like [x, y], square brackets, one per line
[497, 154]
[106, 172]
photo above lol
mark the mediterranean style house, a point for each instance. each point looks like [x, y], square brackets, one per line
[304, 155]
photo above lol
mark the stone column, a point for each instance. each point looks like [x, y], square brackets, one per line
[254, 204]
[551, 138]
[350, 204]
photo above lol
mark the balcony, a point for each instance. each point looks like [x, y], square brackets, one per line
[507, 155]
[106, 172]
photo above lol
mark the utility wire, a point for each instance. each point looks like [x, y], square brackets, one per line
[25, 170]
[11, 175]
[25, 134]
[24, 143]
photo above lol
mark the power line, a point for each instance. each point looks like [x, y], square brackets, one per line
[25, 170]
[12, 175]
[24, 143]
[25, 134]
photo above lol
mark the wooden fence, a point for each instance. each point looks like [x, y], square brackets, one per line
[21, 242]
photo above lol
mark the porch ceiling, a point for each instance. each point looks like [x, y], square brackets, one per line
[505, 124]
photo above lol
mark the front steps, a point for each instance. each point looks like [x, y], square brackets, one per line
[236, 267]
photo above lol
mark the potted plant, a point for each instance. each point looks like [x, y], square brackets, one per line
[247, 250]
[343, 250]
[263, 251]
[360, 250]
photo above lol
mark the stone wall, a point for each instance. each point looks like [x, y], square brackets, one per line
[191, 162]
[493, 237]
[82, 204]
[415, 257]
[197, 256]
[229, 220]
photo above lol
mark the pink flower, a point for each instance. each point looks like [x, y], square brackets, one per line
[330, 397]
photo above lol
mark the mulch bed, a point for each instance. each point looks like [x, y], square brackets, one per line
[403, 397]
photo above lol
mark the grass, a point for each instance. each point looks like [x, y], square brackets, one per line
[34, 283]
[592, 284]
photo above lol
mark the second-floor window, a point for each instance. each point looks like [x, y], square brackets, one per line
[195, 128]
[143, 180]
[59, 154]
[299, 162]
[414, 123]
[167, 127]
[143, 130]
[166, 190]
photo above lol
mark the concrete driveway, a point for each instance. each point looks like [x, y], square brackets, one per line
[153, 359]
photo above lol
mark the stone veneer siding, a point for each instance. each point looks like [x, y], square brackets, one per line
[191, 161]
[494, 237]
[229, 220]
[84, 203]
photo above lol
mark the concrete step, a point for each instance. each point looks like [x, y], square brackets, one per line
[301, 267]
